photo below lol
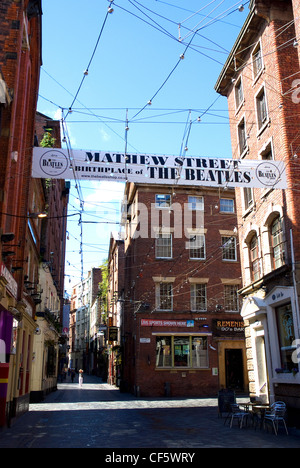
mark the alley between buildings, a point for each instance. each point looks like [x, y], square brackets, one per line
[98, 415]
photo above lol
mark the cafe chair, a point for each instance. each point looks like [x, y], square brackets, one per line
[275, 416]
[237, 413]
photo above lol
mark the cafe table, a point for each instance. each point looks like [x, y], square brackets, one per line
[258, 409]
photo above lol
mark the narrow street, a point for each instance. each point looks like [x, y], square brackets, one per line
[99, 416]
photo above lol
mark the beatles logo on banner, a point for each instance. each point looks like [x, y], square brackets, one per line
[140, 168]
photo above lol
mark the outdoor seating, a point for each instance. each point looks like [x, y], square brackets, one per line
[237, 413]
[276, 416]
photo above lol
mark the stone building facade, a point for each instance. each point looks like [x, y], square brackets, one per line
[261, 82]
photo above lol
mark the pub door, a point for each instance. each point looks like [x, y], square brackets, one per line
[234, 369]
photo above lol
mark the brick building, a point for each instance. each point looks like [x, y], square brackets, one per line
[115, 305]
[46, 253]
[83, 349]
[260, 80]
[20, 61]
[183, 334]
[54, 225]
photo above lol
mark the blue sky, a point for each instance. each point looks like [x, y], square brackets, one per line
[132, 56]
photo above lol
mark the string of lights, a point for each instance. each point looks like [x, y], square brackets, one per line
[188, 127]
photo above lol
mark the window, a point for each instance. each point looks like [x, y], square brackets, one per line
[267, 155]
[163, 201]
[277, 243]
[182, 351]
[164, 296]
[254, 259]
[229, 248]
[51, 361]
[196, 203]
[198, 297]
[286, 336]
[239, 95]
[261, 107]
[164, 351]
[248, 198]
[242, 136]
[231, 297]
[164, 246]
[197, 247]
[257, 61]
[226, 205]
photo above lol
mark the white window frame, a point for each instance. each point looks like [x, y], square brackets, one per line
[261, 123]
[256, 74]
[160, 237]
[196, 203]
[249, 206]
[239, 94]
[166, 201]
[244, 149]
[223, 209]
[233, 289]
[231, 240]
[194, 295]
[158, 296]
[193, 244]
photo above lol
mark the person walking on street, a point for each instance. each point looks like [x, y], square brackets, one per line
[80, 377]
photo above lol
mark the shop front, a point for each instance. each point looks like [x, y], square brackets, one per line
[8, 315]
[175, 358]
[17, 329]
[6, 325]
[229, 337]
[272, 331]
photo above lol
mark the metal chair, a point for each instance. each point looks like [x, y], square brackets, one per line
[237, 413]
[276, 415]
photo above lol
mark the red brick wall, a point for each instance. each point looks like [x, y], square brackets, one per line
[296, 9]
[20, 69]
[53, 228]
[281, 65]
[144, 265]
[141, 265]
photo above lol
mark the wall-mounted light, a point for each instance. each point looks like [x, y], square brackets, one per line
[41, 215]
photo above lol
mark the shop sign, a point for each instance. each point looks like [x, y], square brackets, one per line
[113, 334]
[228, 327]
[157, 169]
[167, 323]
[12, 285]
[145, 340]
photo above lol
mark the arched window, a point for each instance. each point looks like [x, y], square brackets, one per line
[254, 258]
[277, 243]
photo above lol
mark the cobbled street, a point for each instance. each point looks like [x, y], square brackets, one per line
[99, 416]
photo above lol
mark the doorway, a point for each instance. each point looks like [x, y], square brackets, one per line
[234, 369]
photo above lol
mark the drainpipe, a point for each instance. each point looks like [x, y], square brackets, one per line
[294, 282]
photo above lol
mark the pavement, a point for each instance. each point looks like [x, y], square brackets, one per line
[98, 415]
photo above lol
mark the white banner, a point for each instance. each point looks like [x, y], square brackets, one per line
[142, 168]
